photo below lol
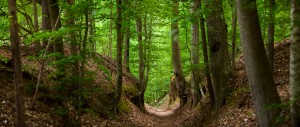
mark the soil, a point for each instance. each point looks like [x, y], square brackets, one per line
[237, 111]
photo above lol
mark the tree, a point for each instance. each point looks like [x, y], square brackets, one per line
[176, 57]
[118, 90]
[295, 64]
[56, 24]
[260, 79]
[110, 29]
[141, 64]
[18, 78]
[127, 35]
[217, 39]
[195, 80]
[205, 56]
[75, 67]
[233, 26]
[148, 50]
[271, 30]
[37, 44]
[46, 22]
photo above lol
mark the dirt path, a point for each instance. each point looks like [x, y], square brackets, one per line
[164, 114]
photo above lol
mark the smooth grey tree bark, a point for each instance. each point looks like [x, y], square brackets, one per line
[295, 64]
[259, 75]
[271, 32]
[218, 45]
[195, 59]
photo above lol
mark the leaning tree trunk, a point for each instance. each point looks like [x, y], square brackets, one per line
[219, 57]
[18, 78]
[180, 80]
[271, 30]
[260, 79]
[295, 65]
[195, 80]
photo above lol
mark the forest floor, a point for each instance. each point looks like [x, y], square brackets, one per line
[237, 111]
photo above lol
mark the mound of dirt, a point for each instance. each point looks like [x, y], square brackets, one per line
[102, 71]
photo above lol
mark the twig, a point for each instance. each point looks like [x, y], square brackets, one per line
[43, 62]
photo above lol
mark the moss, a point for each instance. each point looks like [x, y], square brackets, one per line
[123, 106]
[130, 90]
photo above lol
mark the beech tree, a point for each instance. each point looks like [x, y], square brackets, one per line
[127, 35]
[218, 45]
[233, 26]
[195, 80]
[141, 63]
[37, 43]
[54, 12]
[271, 31]
[16, 56]
[259, 75]
[46, 22]
[295, 64]
[205, 56]
[118, 90]
[176, 57]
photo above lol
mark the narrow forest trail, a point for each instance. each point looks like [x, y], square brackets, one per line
[164, 114]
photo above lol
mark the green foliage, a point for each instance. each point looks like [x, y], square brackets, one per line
[4, 59]
[61, 111]
[45, 35]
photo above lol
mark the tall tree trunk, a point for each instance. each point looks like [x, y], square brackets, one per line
[56, 24]
[233, 25]
[141, 63]
[37, 44]
[18, 78]
[75, 67]
[118, 90]
[195, 80]
[127, 47]
[295, 64]
[219, 57]
[206, 62]
[84, 42]
[127, 35]
[92, 29]
[110, 29]
[46, 22]
[74, 48]
[148, 51]
[176, 57]
[260, 79]
[271, 31]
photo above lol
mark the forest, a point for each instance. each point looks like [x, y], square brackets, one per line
[156, 63]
